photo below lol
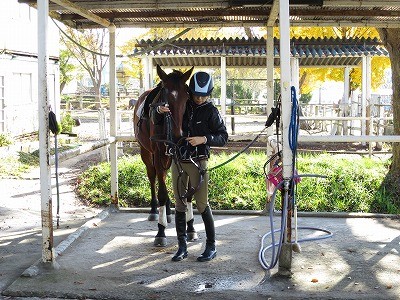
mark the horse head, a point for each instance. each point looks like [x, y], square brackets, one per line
[175, 93]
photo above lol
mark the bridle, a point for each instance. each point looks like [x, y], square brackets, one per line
[172, 148]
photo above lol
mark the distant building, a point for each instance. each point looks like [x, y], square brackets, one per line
[19, 68]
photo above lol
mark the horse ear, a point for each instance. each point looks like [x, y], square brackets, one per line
[161, 73]
[187, 74]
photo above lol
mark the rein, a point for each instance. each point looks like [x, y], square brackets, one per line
[240, 152]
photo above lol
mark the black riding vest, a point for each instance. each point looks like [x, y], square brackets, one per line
[202, 120]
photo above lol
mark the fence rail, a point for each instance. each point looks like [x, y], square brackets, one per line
[244, 117]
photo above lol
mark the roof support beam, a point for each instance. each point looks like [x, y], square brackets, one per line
[82, 12]
[48, 254]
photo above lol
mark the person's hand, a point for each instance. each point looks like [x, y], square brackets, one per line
[163, 109]
[196, 140]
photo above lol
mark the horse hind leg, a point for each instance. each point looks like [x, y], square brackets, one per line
[151, 175]
[153, 216]
[191, 232]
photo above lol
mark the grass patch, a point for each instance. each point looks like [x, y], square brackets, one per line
[353, 184]
[14, 166]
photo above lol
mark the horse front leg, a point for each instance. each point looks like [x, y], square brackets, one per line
[160, 239]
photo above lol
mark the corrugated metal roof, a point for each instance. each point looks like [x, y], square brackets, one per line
[252, 52]
[232, 13]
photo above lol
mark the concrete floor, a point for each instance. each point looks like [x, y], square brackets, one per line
[115, 259]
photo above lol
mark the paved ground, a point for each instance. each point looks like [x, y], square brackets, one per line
[110, 255]
[20, 221]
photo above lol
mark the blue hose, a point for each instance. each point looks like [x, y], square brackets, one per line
[294, 121]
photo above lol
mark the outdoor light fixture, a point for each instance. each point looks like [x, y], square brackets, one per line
[236, 3]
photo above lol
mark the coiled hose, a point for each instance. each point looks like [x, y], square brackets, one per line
[276, 246]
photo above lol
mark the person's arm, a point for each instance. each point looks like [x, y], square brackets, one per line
[219, 135]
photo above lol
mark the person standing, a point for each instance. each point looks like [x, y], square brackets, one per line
[202, 128]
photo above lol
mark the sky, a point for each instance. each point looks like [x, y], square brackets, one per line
[126, 34]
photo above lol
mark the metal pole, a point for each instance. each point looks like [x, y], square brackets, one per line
[285, 257]
[48, 255]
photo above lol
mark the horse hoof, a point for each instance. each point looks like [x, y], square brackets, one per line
[192, 236]
[160, 241]
[169, 219]
[153, 217]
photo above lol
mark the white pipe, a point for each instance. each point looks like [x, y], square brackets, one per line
[295, 74]
[349, 138]
[363, 94]
[151, 76]
[146, 72]
[344, 118]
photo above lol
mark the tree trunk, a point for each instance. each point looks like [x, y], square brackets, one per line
[97, 94]
[391, 40]
[62, 86]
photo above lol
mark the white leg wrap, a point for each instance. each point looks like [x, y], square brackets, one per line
[189, 212]
[162, 219]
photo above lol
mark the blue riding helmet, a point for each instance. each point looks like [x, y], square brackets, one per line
[201, 84]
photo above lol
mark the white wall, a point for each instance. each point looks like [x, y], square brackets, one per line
[18, 29]
[19, 68]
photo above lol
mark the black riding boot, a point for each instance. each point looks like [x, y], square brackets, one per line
[180, 224]
[210, 252]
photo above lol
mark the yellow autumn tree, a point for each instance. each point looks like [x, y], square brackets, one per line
[313, 77]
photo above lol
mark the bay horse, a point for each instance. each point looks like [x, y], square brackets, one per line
[154, 151]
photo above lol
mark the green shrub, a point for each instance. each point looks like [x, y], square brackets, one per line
[353, 184]
[5, 140]
[67, 122]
